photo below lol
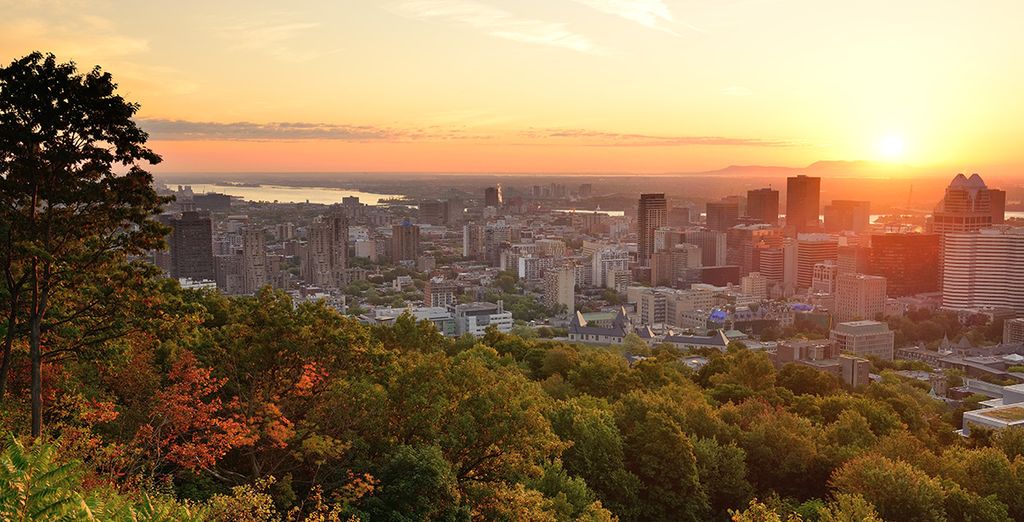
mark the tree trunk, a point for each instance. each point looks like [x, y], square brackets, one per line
[35, 353]
[5, 365]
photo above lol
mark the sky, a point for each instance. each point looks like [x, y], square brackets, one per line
[645, 86]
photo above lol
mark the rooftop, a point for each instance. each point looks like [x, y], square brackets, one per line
[1007, 414]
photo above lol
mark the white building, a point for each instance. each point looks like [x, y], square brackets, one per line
[474, 318]
[864, 338]
[984, 269]
[606, 261]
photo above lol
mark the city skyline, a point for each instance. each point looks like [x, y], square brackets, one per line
[645, 86]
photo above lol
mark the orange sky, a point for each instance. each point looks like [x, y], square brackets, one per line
[551, 85]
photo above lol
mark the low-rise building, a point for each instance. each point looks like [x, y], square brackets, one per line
[474, 318]
[864, 338]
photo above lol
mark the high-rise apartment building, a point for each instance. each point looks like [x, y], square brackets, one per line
[191, 245]
[859, 297]
[864, 338]
[560, 288]
[908, 261]
[439, 292]
[325, 258]
[984, 269]
[763, 205]
[652, 212]
[472, 241]
[812, 249]
[803, 203]
[405, 242]
[255, 273]
[847, 215]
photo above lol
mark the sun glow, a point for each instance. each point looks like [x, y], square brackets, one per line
[892, 146]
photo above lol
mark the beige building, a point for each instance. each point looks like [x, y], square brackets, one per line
[864, 338]
[858, 296]
[560, 287]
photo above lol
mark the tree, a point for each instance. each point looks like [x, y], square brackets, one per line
[898, 490]
[68, 212]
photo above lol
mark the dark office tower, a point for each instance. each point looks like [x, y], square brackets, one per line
[712, 243]
[998, 201]
[723, 215]
[803, 203]
[192, 246]
[493, 196]
[741, 241]
[586, 190]
[909, 262]
[652, 212]
[844, 214]
[678, 217]
[763, 205]
[433, 212]
[405, 242]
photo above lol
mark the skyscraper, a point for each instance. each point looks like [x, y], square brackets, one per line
[493, 196]
[713, 245]
[652, 212]
[843, 215]
[984, 269]
[803, 203]
[722, 215]
[967, 206]
[191, 245]
[812, 249]
[405, 242]
[998, 200]
[763, 205]
[909, 262]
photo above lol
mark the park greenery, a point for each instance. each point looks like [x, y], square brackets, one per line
[129, 398]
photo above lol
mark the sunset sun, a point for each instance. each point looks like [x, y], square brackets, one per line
[892, 147]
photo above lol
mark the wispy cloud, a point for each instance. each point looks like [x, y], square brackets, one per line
[170, 129]
[614, 139]
[181, 130]
[654, 14]
[497, 22]
[275, 34]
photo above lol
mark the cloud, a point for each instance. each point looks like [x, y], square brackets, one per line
[185, 130]
[275, 38]
[497, 22]
[614, 139]
[177, 130]
[654, 14]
